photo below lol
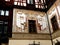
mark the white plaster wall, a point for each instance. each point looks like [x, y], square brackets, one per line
[27, 42]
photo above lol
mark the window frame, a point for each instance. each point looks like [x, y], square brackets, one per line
[20, 3]
[39, 4]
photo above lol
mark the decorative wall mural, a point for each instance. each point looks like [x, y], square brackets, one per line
[42, 22]
[21, 21]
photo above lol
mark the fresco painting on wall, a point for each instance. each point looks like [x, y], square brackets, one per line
[42, 22]
[21, 20]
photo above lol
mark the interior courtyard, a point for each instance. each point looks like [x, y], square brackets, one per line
[29, 22]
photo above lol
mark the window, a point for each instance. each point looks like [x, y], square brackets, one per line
[20, 2]
[41, 1]
[7, 0]
[46, 6]
[15, 3]
[3, 27]
[54, 23]
[4, 13]
[30, 1]
[32, 26]
[39, 4]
